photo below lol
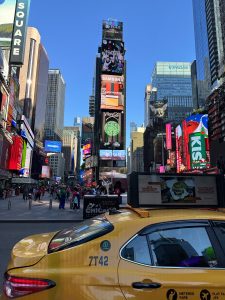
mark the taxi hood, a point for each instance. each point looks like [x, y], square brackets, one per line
[30, 250]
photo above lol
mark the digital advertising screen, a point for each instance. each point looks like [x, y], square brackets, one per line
[112, 92]
[105, 154]
[112, 56]
[53, 146]
[112, 29]
[196, 145]
[119, 154]
[177, 190]
[112, 133]
[45, 172]
[159, 109]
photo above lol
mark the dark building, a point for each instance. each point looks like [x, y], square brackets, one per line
[110, 102]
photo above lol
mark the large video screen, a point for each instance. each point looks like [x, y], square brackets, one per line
[112, 133]
[53, 146]
[112, 57]
[112, 29]
[159, 109]
[112, 89]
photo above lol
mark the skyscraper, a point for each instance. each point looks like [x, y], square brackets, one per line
[54, 117]
[172, 82]
[110, 101]
[201, 70]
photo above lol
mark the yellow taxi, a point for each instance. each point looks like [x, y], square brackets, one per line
[154, 254]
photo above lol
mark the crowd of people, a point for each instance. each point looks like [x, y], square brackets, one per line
[62, 193]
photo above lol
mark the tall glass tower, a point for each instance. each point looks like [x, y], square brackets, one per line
[173, 83]
[203, 80]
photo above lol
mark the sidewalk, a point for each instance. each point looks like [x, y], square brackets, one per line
[39, 211]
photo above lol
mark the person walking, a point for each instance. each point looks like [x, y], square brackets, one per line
[62, 198]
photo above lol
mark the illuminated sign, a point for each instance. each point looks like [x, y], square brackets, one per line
[7, 13]
[53, 146]
[168, 136]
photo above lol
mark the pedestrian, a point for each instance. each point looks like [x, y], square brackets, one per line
[62, 198]
[76, 199]
[25, 193]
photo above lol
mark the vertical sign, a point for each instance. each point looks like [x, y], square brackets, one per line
[19, 32]
[168, 136]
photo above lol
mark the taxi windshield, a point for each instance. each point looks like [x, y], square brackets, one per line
[79, 234]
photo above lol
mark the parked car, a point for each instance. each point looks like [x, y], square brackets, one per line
[124, 254]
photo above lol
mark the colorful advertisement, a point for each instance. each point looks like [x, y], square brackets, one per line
[7, 13]
[53, 146]
[174, 190]
[19, 32]
[4, 102]
[112, 56]
[119, 154]
[112, 30]
[178, 132]
[45, 172]
[159, 109]
[196, 145]
[112, 88]
[16, 151]
[105, 154]
[4, 152]
[112, 135]
[168, 136]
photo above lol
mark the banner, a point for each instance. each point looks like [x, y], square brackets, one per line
[168, 136]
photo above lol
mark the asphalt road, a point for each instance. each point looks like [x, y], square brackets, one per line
[11, 233]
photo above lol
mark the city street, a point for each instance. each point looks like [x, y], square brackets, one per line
[16, 209]
[11, 233]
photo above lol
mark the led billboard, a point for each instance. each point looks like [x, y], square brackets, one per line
[112, 133]
[16, 152]
[112, 92]
[119, 154]
[112, 29]
[45, 172]
[7, 13]
[112, 56]
[159, 109]
[53, 146]
[105, 154]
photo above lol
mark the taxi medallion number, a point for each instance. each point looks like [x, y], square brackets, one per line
[98, 261]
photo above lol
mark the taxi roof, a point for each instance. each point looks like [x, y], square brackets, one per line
[155, 215]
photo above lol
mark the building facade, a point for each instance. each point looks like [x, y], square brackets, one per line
[201, 71]
[54, 117]
[172, 83]
[71, 150]
[137, 150]
[110, 103]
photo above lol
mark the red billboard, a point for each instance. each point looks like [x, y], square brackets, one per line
[112, 89]
[16, 151]
[168, 136]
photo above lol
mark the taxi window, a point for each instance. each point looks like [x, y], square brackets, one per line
[137, 250]
[81, 233]
[182, 247]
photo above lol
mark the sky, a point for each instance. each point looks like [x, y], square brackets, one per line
[71, 32]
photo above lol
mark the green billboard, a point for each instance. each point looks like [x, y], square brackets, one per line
[197, 150]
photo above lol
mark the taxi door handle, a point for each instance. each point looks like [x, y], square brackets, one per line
[146, 285]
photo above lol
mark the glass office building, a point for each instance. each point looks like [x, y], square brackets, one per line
[203, 80]
[173, 83]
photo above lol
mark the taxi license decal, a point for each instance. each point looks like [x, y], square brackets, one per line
[105, 245]
[98, 261]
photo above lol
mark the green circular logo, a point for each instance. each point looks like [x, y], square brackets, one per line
[112, 128]
[105, 245]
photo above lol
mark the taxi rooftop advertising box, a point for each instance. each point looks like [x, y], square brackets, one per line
[173, 190]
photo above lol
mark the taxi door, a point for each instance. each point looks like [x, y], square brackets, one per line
[173, 263]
